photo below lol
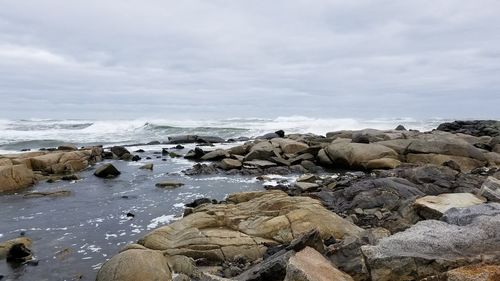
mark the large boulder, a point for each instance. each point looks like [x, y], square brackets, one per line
[15, 177]
[246, 226]
[215, 155]
[290, 146]
[473, 127]
[107, 171]
[229, 164]
[119, 151]
[464, 163]
[431, 247]
[357, 155]
[309, 265]
[136, 264]
[262, 150]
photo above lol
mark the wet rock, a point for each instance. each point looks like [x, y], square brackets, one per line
[229, 164]
[58, 193]
[201, 169]
[431, 247]
[309, 265]
[400, 128]
[70, 178]
[476, 127]
[136, 158]
[491, 189]
[140, 151]
[197, 153]
[107, 171]
[19, 253]
[310, 166]
[433, 207]
[119, 151]
[148, 166]
[169, 184]
[135, 264]
[258, 164]
[306, 186]
[210, 139]
[200, 201]
[6, 246]
[182, 139]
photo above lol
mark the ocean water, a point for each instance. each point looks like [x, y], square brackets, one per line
[37, 133]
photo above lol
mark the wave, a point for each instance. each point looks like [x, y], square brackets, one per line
[37, 133]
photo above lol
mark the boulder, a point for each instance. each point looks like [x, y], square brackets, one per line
[433, 207]
[67, 147]
[258, 164]
[245, 226]
[229, 164]
[262, 150]
[357, 155]
[119, 151]
[215, 155]
[290, 146]
[383, 163]
[431, 247]
[472, 127]
[400, 128]
[306, 186]
[182, 139]
[107, 171]
[136, 264]
[209, 139]
[445, 145]
[15, 177]
[309, 265]
[491, 189]
[197, 153]
[465, 216]
[6, 246]
[464, 163]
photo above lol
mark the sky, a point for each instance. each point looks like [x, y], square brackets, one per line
[231, 58]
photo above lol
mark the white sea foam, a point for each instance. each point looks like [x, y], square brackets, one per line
[160, 220]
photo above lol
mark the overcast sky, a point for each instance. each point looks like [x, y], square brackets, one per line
[227, 58]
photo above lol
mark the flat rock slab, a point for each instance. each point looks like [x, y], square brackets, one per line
[434, 206]
[259, 164]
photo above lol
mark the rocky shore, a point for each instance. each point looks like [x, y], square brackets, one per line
[367, 205]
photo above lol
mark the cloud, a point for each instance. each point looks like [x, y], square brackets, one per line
[224, 58]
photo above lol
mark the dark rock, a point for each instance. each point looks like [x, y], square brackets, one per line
[476, 128]
[33, 262]
[67, 147]
[202, 169]
[178, 147]
[164, 151]
[153, 143]
[200, 201]
[119, 151]
[169, 184]
[130, 215]
[19, 253]
[209, 139]
[107, 155]
[182, 139]
[268, 136]
[127, 157]
[310, 166]
[453, 165]
[148, 158]
[280, 133]
[140, 151]
[70, 177]
[136, 158]
[360, 138]
[107, 171]
[400, 128]
[196, 154]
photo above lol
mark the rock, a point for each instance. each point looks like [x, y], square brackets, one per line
[400, 128]
[67, 147]
[290, 146]
[431, 247]
[119, 151]
[134, 264]
[360, 138]
[465, 216]
[357, 155]
[200, 201]
[6, 246]
[476, 127]
[491, 189]
[474, 273]
[136, 158]
[215, 155]
[19, 253]
[464, 163]
[310, 166]
[308, 178]
[169, 184]
[182, 139]
[70, 178]
[433, 207]
[324, 159]
[245, 226]
[57, 193]
[272, 268]
[309, 265]
[197, 153]
[262, 150]
[107, 171]
[229, 164]
[444, 145]
[306, 186]
[148, 166]
[210, 139]
[15, 177]
[258, 164]
[383, 163]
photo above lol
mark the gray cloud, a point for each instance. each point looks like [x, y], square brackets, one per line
[223, 58]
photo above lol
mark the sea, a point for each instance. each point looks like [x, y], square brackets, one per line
[74, 235]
